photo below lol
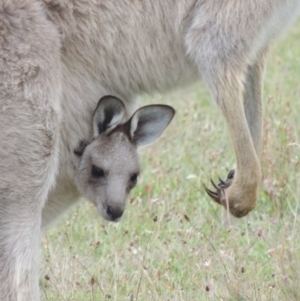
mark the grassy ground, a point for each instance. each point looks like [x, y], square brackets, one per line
[211, 257]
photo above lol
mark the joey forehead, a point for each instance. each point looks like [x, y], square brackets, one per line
[108, 151]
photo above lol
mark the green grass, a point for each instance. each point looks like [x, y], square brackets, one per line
[211, 257]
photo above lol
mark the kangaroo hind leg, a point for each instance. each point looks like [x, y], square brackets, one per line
[29, 118]
[240, 197]
[220, 39]
[253, 95]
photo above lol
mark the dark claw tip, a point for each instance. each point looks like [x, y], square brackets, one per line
[213, 184]
[222, 183]
[231, 174]
[214, 195]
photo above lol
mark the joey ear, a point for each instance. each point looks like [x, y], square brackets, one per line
[108, 114]
[149, 122]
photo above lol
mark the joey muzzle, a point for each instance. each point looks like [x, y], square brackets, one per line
[114, 212]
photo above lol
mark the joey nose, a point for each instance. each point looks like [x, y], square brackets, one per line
[114, 212]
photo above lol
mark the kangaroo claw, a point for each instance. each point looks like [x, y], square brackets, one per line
[219, 194]
[215, 195]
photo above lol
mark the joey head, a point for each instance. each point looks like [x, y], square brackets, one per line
[109, 166]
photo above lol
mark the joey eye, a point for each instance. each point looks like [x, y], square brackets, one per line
[134, 177]
[97, 172]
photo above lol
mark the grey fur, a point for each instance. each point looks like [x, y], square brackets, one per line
[113, 157]
[58, 57]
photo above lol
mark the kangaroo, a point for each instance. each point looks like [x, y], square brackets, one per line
[108, 166]
[59, 57]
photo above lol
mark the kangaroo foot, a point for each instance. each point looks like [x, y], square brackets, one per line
[225, 184]
[220, 187]
[232, 199]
